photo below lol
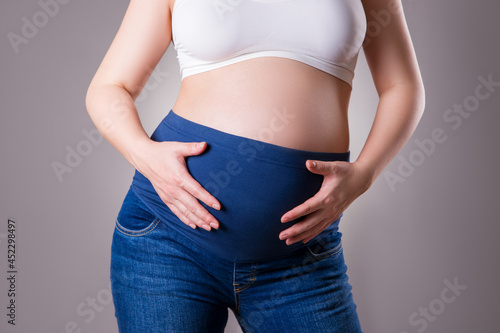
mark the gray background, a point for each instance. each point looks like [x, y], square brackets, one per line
[401, 243]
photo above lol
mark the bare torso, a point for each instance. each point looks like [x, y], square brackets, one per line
[274, 100]
[271, 99]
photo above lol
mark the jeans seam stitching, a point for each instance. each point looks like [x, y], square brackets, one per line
[335, 250]
[150, 228]
[236, 301]
[250, 281]
[245, 327]
[237, 291]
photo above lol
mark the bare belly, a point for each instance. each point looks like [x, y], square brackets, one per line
[274, 100]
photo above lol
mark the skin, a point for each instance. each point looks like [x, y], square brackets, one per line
[242, 98]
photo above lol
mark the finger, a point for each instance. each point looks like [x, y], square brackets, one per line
[302, 226]
[309, 234]
[321, 167]
[190, 148]
[187, 215]
[186, 206]
[181, 216]
[186, 181]
[189, 184]
[307, 207]
[313, 234]
[194, 211]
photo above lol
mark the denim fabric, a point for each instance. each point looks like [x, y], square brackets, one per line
[162, 281]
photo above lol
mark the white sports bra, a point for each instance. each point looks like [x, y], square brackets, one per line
[325, 34]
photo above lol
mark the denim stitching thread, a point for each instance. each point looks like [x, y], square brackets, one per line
[250, 281]
[237, 291]
[320, 256]
[132, 233]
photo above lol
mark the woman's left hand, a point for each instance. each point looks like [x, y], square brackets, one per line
[342, 183]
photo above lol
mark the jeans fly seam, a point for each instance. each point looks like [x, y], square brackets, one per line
[250, 281]
[234, 284]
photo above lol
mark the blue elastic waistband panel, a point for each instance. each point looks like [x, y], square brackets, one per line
[255, 182]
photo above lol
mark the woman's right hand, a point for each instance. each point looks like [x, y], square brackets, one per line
[164, 165]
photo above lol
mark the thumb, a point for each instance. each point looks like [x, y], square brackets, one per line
[320, 167]
[193, 148]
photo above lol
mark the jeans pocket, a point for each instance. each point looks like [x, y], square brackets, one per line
[325, 247]
[134, 218]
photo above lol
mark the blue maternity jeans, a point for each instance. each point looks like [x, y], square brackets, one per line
[167, 277]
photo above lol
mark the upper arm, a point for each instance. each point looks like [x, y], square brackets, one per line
[388, 47]
[142, 39]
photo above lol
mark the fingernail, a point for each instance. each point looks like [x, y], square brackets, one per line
[192, 225]
[206, 227]
[214, 225]
[199, 145]
[216, 206]
[313, 164]
[283, 236]
[285, 219]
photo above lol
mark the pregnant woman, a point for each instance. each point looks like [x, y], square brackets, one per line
[238, 193]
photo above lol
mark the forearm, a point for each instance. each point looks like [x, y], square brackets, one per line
[398, 113]
[115, 116]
